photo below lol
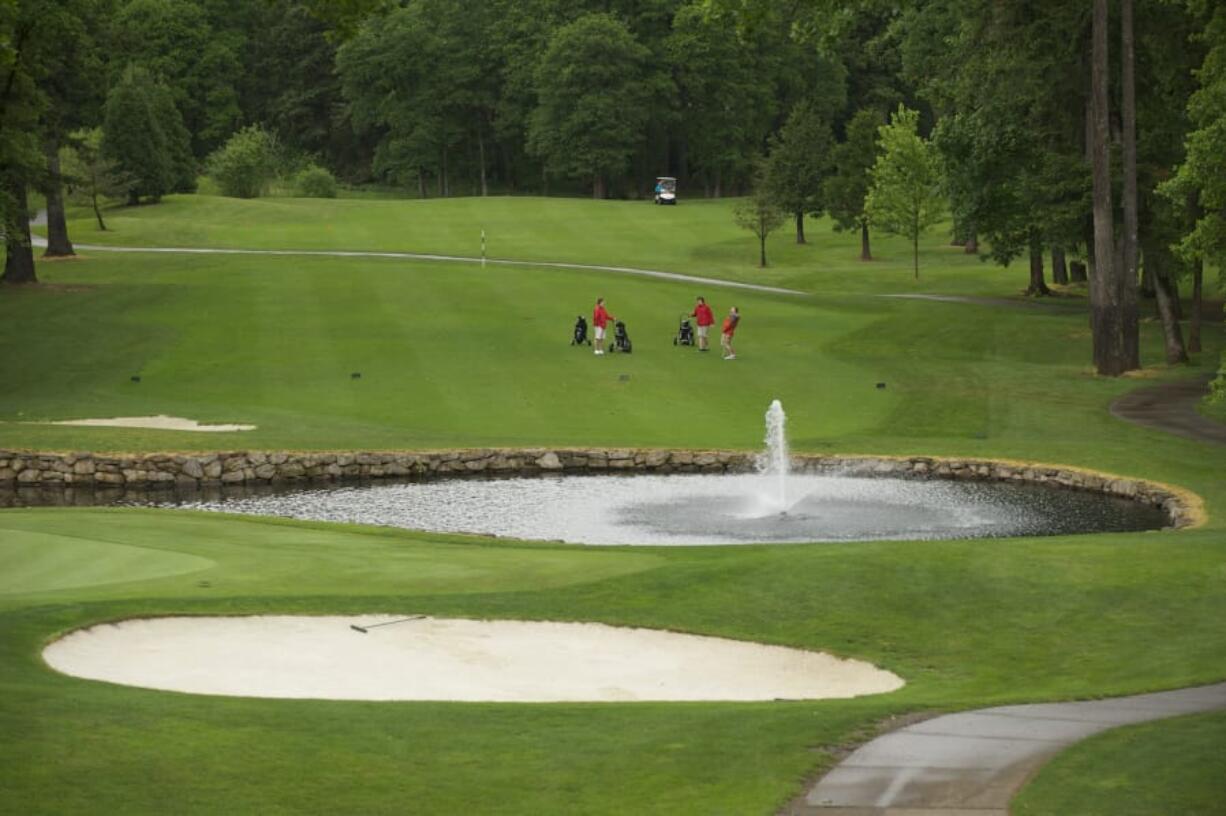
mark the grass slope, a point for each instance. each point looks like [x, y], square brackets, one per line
[1171, 766]
[696, 238]
[453, 355]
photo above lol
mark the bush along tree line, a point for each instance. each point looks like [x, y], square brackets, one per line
[1090, 136]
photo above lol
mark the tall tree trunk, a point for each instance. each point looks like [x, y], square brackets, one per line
[915, 253]
[762, 249]
[1059, 269]
[1127, 280]
[485, 190]
[598, 186]
[1106, 320]
[719, 183]
[1157, 263]
[19, 256]
[865, 254]
[1038, 286]
[800, 227]
[1198, 275]
[1077, 272]
[58, 245]
[93, 197]
[972, 244]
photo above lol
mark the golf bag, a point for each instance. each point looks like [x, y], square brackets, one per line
[685, 334]
[621, 340]
[580, 336]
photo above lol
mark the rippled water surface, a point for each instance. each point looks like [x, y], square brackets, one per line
[696, 509]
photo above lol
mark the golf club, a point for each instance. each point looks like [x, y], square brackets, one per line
[363, 629]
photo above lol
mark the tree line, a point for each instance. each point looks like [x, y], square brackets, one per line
[1090, 136]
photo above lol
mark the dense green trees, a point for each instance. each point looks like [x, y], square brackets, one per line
[1063, 130]
[723, 108]
[174, 40]
[594, 100]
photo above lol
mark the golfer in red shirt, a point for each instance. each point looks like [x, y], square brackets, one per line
[705, 319]
[725, 339]
[600, 319]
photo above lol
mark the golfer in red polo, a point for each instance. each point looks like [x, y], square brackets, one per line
[705, 319]
[725, 339]
[600, 319]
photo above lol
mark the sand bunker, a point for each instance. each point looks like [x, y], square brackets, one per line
[161, 422]
[450, 659]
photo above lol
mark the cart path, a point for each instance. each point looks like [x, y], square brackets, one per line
[972, 763]
[39, 241]
[1171, 407]
[1067, 304]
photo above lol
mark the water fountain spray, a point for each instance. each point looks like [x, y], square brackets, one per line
[774, 462]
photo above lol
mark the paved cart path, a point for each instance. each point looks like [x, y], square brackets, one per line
[1171, 407]
[39, 241]
[972, 763]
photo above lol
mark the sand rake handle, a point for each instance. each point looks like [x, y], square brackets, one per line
[363, 629]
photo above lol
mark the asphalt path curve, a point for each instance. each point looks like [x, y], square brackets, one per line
[974, 762]
[1171, 407]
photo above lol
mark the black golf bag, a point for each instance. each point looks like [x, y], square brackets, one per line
[621, 340]
[685, 334]
[580, 336]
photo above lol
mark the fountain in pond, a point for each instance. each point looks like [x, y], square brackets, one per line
[767, 506]
[774, 464]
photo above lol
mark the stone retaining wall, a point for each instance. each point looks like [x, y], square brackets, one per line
[29, 469]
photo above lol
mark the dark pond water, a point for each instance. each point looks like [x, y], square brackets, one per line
[663, 510]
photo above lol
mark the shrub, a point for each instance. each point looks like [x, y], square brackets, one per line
[315, 182]
[1217, 388]
[245, 165]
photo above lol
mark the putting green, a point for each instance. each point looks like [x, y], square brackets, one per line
[43, 562]
[47, 549]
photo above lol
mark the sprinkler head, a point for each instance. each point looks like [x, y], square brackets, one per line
[880, 386]
[357, 375]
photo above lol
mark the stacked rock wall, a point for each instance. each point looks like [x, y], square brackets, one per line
[152, 470]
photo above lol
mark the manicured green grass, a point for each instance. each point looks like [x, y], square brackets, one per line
[1172, 766]
[1047, 618]
[455, 355]
[697, 237]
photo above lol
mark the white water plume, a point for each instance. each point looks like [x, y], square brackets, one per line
[774, 463]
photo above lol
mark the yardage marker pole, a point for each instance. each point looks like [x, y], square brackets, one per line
[482, 247]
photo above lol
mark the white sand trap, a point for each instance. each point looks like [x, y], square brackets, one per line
[450, 659]
[161, 422]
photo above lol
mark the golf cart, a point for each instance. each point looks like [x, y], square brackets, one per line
[666, 190]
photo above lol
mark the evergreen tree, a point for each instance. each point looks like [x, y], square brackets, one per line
[145, 137]
[846, 189]
[798, 165]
